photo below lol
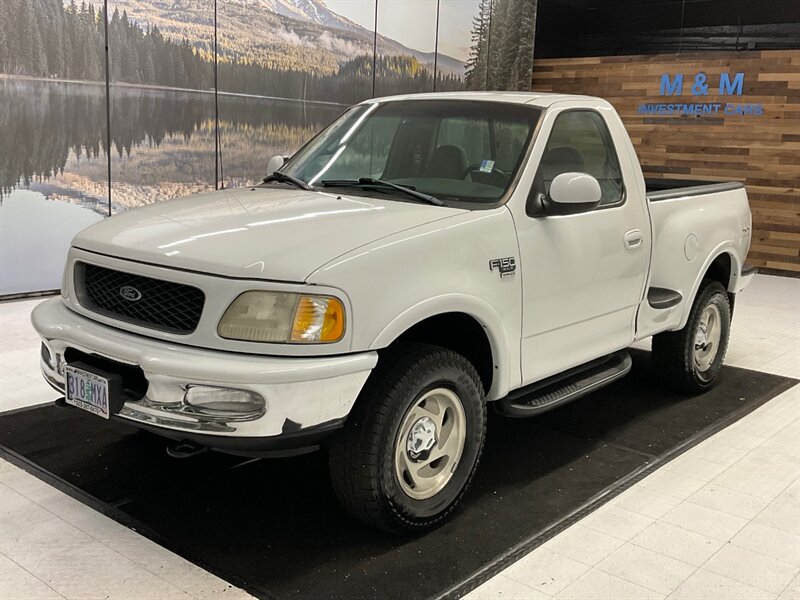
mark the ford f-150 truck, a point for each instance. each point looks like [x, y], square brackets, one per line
[421, 258]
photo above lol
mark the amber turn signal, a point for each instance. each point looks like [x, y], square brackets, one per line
[318, 319]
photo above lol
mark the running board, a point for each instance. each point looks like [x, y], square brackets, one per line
[565, 387]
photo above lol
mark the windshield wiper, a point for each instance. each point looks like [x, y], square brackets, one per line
[370, 182]
[284, 178]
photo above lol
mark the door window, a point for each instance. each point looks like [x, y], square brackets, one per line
[580, 142]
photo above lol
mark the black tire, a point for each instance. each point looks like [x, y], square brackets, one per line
[362, 456]
[674, 351]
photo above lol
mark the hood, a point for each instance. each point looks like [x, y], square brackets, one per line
[263, 233]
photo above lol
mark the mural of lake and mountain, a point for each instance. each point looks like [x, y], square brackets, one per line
[286, 68]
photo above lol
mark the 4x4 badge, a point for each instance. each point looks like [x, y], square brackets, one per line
[506, 266]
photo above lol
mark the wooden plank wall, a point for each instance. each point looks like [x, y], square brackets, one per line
[762, 152]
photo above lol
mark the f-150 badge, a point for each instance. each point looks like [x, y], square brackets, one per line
[506, 266]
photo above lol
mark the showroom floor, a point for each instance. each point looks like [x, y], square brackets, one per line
[721, 521]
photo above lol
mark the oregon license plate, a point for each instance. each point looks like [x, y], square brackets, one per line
[87, 391]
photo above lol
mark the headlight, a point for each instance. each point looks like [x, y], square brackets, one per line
[283, 318]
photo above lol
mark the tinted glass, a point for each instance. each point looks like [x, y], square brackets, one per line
[458, 151]
[580, 142]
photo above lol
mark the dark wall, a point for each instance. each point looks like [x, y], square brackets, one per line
[574, 28]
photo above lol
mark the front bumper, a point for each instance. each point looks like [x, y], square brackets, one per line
[305, 397]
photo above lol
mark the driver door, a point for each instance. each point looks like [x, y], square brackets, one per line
[584, 273]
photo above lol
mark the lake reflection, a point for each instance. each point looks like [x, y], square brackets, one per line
[35, 234]
[162, 146]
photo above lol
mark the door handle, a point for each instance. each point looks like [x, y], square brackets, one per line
[634, 238]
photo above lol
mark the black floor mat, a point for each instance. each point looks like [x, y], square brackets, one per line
[274, 528]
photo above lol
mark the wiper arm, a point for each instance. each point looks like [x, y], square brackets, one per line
[370, 182]
[284, 178]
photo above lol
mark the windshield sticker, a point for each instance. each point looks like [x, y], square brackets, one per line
[487, 166]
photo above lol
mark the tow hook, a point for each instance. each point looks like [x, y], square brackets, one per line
[185, 449]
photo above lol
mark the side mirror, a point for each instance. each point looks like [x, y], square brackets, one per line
[572, 193]
[275, 163]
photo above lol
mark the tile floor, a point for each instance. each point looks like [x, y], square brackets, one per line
[722, 521]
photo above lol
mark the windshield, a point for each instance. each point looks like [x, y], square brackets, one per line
[457, 151]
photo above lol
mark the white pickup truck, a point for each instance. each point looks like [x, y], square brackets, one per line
[421, 258]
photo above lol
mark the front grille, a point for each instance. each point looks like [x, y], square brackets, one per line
[163, 305]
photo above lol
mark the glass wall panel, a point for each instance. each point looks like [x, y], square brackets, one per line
[460, 24]
[509, 44]
[406, 46]
[52, 123]
[284, 73]
[497, 43]
[162, 100]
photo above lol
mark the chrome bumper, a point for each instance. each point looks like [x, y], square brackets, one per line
[301, 393]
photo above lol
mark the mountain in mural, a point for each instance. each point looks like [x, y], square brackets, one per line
[315, 11]
[55, 41]
[302, 35]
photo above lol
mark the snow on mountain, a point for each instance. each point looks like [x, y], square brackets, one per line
[318, 13]
[314, 11]
[310, 11]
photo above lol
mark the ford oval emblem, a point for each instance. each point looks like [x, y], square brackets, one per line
[130, 293]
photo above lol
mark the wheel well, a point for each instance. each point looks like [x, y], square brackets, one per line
[720, 270]
[460, 333]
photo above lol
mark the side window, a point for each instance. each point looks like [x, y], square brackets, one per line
[580, 142]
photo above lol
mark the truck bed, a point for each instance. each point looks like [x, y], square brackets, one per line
[702, 221]
[665, 189]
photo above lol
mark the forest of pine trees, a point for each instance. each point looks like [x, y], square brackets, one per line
[44, 38]
[501, 52]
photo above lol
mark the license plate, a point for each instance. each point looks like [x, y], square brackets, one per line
[87, 391]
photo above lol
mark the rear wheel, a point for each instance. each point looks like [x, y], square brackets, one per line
[413, 441]
[690, 359]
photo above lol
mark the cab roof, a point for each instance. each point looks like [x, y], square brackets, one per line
[540, 99]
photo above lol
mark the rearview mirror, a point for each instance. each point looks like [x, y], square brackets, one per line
[275, 163]
[572, 193]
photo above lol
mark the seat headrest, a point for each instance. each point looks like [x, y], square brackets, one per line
[448, 161]
[564, 159]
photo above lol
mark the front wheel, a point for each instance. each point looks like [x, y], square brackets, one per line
[690, 359]
[411, 445]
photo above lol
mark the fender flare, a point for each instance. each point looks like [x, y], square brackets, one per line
[736, 270]
[474, 307]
